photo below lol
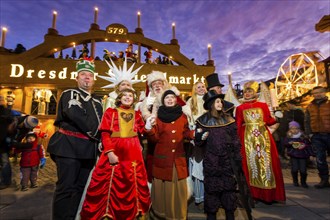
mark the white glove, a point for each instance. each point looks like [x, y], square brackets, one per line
[150, 122]
[278, 114]
[113, 158]
[205, 135]
[150, 100]
[201, 134]
[192, 127]
[100, 147]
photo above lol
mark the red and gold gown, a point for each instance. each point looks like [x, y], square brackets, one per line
[261, 164]
[118, 191]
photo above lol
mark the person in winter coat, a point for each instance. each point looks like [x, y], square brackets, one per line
[157, 84]
[169, 193]
[13, 128]
[291, 112]
[216, 132]
[30, 161]
[7, 128]
[317, 127]
[299, 149]
[196, 158]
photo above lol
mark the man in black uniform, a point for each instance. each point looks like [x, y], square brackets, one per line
[73, 147]
[213, 83]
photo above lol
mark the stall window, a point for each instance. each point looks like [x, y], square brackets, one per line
[44, 102]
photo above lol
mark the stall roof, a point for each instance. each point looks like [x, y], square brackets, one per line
[324, 24]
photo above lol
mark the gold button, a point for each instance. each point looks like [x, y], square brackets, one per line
[173, 150]
[173, 141]
[173, 131]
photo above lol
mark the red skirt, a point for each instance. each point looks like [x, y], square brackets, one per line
[266, 195]
[120, 191]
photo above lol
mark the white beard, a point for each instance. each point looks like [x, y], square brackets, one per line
[159, 97]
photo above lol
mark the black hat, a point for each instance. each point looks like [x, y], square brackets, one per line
[167, 92]
[213, 80]
[209, 98]
[30, 122]
[292, 101]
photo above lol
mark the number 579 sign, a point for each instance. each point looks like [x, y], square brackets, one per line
[116, 29]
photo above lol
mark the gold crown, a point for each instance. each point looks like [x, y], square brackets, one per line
[252, 85]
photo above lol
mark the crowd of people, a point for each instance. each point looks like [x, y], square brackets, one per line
[201, 147]
[132, 56]
[15, 137]
[128, 54]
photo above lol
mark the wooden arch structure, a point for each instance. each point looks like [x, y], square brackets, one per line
[38, 57]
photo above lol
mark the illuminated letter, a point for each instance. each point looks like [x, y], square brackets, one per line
[62, 74]
[188, 80]
[41, 74]
[165, 75]
[196, 79]
[74, 75]
[52, 74]
[203, 79]
[143, 78]
[95, 76]
[13, 70]
[182, 80]
[29, 73]
[174, 80]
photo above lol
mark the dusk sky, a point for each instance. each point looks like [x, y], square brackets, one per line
[251, 39]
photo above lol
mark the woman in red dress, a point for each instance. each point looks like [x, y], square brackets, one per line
[261, 164]
[118, 189]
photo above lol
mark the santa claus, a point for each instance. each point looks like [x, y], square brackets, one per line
[156, 85]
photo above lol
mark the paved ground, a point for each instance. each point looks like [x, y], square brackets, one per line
[311, 203]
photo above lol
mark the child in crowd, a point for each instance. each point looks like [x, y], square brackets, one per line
[30, 161]
[118, 188]
[299, 149]
[216, 132]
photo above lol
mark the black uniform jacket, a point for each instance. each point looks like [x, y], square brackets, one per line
[78, 118]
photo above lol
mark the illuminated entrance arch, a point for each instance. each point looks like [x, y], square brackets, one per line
[37, 58]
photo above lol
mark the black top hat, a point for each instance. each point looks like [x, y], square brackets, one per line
[213, 80]
[209, 98]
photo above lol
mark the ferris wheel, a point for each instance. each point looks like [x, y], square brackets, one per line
[296, 76]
